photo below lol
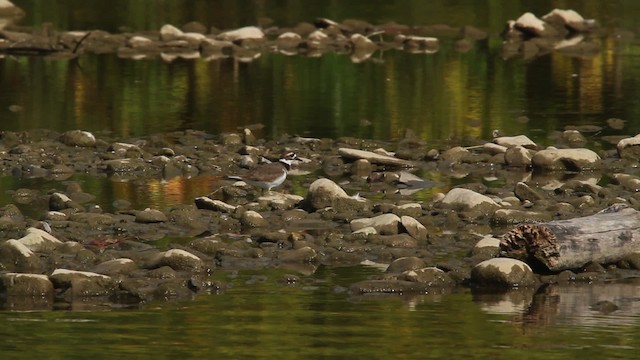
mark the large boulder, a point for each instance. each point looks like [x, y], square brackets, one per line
[16, 257]
[403, 264]
[83, 283]
[179, 260]
[629, 148]
[565, 159]
[461, 199]
[39, 240]
[519, 140]
[518, 156]
[385, 224]
[115, 266]
[487, 247]
[60, 201]
[414, 228]
[503, 272]
[325, 193]
[16, 284]
[148, 216]
[78, 138]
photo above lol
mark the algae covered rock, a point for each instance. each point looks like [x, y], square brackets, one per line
[503, 272]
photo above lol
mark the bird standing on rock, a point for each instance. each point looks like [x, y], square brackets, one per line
[271, 175]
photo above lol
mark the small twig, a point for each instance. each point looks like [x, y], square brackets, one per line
[81, 41]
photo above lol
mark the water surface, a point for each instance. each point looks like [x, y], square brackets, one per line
[441, 96]
[262, 317]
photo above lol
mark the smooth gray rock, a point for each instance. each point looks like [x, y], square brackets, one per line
[414, 228]
[573, 138]
[455, 154]
[373, 157]
[323, 193]
[16, 257]
[403, 264]
[565, 159]
[247, 32]
[518, 156]
[39, 240]
[148, 216]
[59, 201]
[253, 219]
[468, 200]
[385, 224]
[179, 260]
[488, 247]
[169, 32]
[83, 283]
[204, 202]
[494, 149]
[365, 232]
[519, 140]
[629, 148]
[361, 168]
[525, 192]
[125, 150]
[78, 138]
[503, 272]
[116, 266]
[17, 284]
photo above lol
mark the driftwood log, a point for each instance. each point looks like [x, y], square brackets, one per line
[605, 237]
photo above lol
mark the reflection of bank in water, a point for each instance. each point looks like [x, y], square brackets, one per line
[585, 305]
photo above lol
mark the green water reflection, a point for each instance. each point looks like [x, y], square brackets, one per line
[440, 96]
[314, 319]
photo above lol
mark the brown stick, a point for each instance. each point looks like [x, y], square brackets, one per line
[75, 49]
[605, 237]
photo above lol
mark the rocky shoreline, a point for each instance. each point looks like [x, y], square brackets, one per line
[74, 251]
[528, 36]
